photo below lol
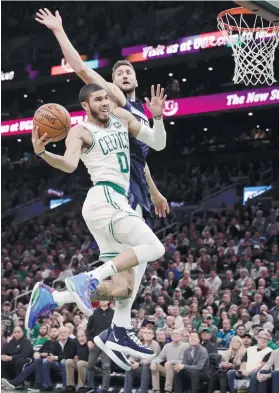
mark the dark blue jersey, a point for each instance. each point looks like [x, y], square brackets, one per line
[139, 191]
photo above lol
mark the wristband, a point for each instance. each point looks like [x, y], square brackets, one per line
[40, 154]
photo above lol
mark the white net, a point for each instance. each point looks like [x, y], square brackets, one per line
[253, 47]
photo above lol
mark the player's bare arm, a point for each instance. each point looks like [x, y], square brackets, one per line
[159, 201]
[154, 137]
[54, 23]
[69, 161]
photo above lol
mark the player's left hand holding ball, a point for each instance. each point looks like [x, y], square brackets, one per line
[39, 143]
[157, 102]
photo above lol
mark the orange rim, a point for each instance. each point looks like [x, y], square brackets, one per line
[243, 11]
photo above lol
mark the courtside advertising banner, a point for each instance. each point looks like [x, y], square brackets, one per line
[183, 46]
[176, 107]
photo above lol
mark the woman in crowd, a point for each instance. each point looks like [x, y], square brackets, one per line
[231, 359]
[194, 315]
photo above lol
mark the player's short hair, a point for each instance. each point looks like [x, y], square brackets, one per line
[87, 90]
[120, 63]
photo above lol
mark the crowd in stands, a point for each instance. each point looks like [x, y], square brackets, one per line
[209, 307]
[105, 26]
[193, 182]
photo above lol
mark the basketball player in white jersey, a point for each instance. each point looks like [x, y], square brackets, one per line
[121, 93]
[102, 143]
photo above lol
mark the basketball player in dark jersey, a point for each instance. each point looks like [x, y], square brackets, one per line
[121, 93]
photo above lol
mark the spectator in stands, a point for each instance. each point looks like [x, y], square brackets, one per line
[225, 304]
[162, 303]
[255, 272]
[242, 281]
[231, 360]
[141, 367]
[42, 337]
[98, 322]
[4, 341]
[206, 336]
[141, 320]
[244, 320]
[254, 359]
[263, 308]
[190, 265]
[178, 321]
[247, 340]
[16, 354]
[213, 281]
[255, 307]
[194, 367]
[169, 322]
[148, 305]
[50, 346]
[159, 318]
[155, 286]
[265, 324]
[225, 335]
[170, 353]
[240, 331]
[194, 315]
[177, 295]
[161, 337]
[7, 318]
[275, 310]
[210, 322]
[269, 370]
[67, 350]
[259, 222]
[184, 336]
[71, 328]
[79, 363]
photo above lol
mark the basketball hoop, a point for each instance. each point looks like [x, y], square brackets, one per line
[253, 41]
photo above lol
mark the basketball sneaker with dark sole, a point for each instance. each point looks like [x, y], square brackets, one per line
[125, 341]
[117, 357]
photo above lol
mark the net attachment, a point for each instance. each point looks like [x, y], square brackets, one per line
[253, 41]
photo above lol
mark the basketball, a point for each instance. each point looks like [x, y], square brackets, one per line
[53, 120]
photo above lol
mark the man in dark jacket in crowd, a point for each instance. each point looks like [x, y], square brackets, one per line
[98, 322]
[16, 354]
[206, 335]
[49, 347]
[66, 349]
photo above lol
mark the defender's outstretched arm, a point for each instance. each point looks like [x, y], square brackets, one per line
[54, 23]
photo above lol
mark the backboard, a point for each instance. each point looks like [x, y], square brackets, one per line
[269, 10]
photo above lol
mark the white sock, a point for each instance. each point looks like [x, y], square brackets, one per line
[122, 313]
[63, 297]
[106, 270]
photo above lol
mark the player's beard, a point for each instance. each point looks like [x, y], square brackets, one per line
[129, 90]
[96, 115]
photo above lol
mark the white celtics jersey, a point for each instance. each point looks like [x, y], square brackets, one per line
[108, 158]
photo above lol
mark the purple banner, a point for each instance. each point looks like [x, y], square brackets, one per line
[178, 107]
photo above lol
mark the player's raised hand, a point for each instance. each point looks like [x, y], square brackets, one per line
[157, 102]
[45, 17]
[39, 143]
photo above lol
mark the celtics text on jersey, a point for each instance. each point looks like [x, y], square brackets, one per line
[108, 158]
